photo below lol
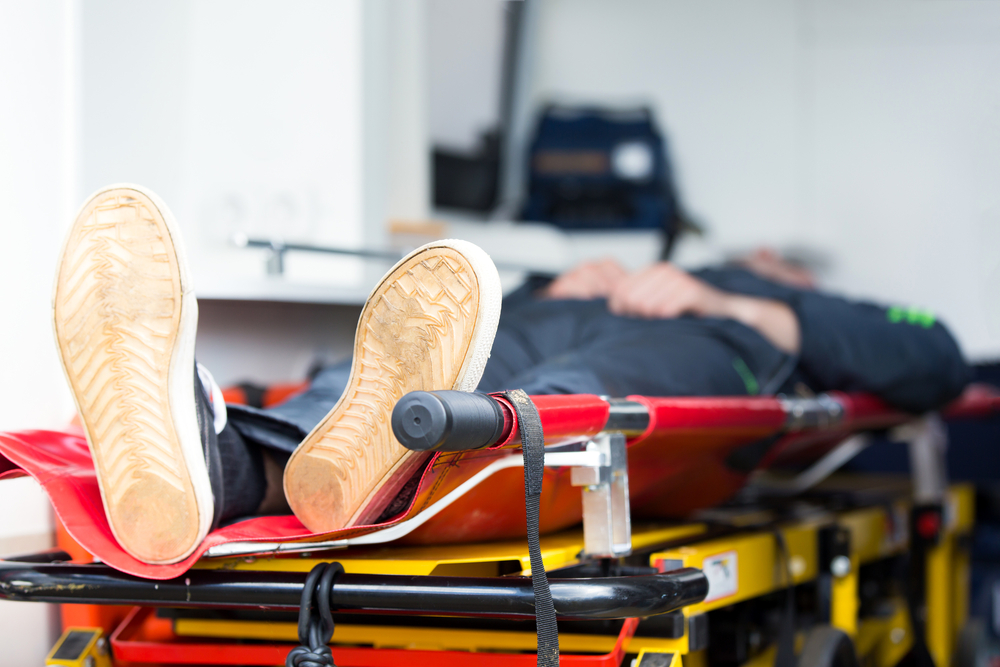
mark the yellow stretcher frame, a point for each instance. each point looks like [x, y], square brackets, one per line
[79, 647]
[471, 560]
[875, 533]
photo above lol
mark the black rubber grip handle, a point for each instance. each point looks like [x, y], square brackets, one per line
[446, 421]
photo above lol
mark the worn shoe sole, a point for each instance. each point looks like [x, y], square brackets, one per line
[428, 325]
[125, 321]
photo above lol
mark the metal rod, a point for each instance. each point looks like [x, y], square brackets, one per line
[278, 248]
[629, 417]
[281, 246]
[510, 597]
[832, 461]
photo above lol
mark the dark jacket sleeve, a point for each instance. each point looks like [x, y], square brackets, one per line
[903, 355]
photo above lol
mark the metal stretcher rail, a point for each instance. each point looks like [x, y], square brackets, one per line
[453, 421]
[499, 597]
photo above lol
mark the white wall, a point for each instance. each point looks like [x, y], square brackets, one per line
[245, 116]
[37, 180]
[267, 342]
[396, 151]
[902, 175]
[867, 130]
[300, 121]
[464, 62]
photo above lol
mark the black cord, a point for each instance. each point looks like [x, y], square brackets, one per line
[785, 644]
[315, 625]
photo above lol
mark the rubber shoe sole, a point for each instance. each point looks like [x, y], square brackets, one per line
[428, 325]
[125, 322]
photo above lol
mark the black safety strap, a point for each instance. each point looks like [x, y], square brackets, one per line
[916, 564]
[533, 445]
[784, 655]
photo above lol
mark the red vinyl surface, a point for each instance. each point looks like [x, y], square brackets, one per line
[693, 455]
[681, 464]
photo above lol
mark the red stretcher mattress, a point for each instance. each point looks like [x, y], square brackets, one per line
[695, 453]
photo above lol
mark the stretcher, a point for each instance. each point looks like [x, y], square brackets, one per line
[608, 462]
[683, 454]
[871, 534]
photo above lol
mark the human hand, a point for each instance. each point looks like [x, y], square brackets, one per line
[770, 265]
[664, 291]
[590, 280]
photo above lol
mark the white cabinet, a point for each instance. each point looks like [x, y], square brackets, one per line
[259, 117]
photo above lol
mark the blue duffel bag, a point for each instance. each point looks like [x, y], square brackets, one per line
[592, 168]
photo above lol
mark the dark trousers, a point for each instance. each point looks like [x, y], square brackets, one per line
[543, 347]
[567, 347]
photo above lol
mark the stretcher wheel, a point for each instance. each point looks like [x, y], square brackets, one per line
[827, 647]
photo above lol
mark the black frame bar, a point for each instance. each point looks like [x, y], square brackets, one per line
[504, 597]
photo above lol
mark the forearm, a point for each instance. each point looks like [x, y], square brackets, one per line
[774, 320]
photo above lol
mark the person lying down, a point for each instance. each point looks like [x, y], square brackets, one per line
[173, 461]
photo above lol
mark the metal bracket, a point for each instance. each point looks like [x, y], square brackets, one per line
[657, 658]
[832, 461]
[607, 524]
[276, 258]
[823, 411]
[80, 647]
[927, 440]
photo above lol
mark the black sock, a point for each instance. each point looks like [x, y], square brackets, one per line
[243, 480]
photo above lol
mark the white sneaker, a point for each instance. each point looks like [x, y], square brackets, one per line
[125, 320]
[428, 325]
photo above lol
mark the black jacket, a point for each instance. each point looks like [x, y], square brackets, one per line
[903, 355]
